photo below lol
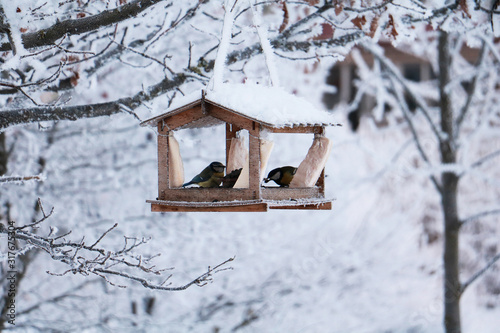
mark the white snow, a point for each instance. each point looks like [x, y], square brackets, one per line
[266, 45]
[271, 105]
[220, 60]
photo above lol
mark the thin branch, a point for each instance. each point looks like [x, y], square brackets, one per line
[472, 92]
[409, 121]
[391, 69]
[87, 260]
[17, 179]
[67, 294]
[485, 159]
[103, 235]
[477, 216]
[479, 273]
[200, 281]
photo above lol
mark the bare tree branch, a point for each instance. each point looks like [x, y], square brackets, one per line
[409, 121]
[393, 71]
[17, 179]
[91, 260]
[478, 216]
[67, 294]
[485, 159]
[479, 273]
[200, 281]
[78, 26]
[472, 91]
[5, 28]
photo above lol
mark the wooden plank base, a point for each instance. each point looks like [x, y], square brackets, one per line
[258, 207]
[310, 206]
[237, 206]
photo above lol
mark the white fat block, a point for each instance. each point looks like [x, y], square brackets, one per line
[48, 97]
[238, 158]
[176, 168]
[310, 168]
[266, 146]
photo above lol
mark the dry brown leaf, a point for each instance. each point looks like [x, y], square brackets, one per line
[373, 27]
[393, 32]
[338, 9]
[359, 21]
[285, 18]
[463, 6]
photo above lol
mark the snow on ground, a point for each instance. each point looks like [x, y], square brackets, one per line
[365, 266]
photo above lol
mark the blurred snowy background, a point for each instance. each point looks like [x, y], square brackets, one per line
[371, 264]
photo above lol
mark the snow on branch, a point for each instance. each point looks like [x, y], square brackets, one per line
[395, 73]
[266, 45]
[78, 26]
[50, 113]
[416, 138]
[19, 179]
[104, 263]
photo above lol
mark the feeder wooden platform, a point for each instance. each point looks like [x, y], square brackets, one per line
[208, 110]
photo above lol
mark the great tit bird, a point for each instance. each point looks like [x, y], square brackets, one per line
[211, 176]
[230, 179]
[281, 176]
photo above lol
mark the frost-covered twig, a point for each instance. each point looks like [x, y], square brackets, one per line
[104, 263]
[200, 281]
[19, 179]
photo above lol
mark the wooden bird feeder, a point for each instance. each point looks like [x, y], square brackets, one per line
[255, 114]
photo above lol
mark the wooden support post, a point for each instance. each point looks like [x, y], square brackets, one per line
[320, 131]
[254, 160]
[162, 160]
[231, 131]
[321, 183]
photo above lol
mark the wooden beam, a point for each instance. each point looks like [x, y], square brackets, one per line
[309, 206]
[162, 161]
[183, 118]
[257, 207]
[287, 193]
[254, 160]
[197, 194]
[320, 183]
[298, 129]
[229, 117]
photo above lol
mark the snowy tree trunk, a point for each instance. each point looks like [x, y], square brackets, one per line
[449, 181]
[4, 155]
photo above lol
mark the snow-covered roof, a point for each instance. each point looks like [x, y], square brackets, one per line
[271, 106]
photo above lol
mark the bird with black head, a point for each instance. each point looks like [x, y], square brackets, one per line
[281, 176]
[211, 176]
